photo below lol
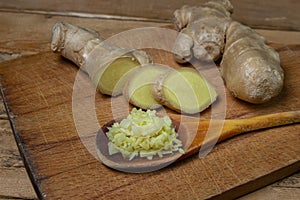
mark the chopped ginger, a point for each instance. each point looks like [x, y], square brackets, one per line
[143, 134]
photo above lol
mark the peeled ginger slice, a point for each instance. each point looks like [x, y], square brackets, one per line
[184, 90]
[138, 90]
[111, 78]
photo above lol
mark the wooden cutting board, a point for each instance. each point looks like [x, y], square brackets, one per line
[48, 120]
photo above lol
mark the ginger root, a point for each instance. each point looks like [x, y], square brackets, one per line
[116, 70]
[202, 31]
[107, 65]
[250, 68]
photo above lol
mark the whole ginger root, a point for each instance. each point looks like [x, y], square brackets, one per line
[202, 31]
[250, 68]
[107, 65]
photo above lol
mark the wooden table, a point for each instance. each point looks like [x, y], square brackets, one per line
[27, 33]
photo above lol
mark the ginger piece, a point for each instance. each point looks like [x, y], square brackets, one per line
[184, 90]
[250, 68]
[107, 65]
[110, 79]
[202, 31]
[138, 90]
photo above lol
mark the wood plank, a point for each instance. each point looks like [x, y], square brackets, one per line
[14, 179]
[275, 193]
[285, 189]
[269, 14]
[282, 37]
[16, 185]
[28, 34]
[38, 90]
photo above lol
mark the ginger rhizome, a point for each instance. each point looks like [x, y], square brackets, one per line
[116, 70]
[107, 65]
[250, 68]
[202, 30]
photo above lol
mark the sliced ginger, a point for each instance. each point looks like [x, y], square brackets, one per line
[138, 88]
[184, 90]
[111, 79]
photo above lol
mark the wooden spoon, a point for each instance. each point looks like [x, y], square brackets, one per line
[193, 134]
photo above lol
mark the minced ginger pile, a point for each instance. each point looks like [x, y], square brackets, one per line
[143, 134]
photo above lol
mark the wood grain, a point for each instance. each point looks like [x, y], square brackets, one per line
[38, 90]
[271, 14]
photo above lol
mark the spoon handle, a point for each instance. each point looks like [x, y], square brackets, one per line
[206, 136]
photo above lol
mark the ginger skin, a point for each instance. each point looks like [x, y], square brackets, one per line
[89, 51]
[202, 31]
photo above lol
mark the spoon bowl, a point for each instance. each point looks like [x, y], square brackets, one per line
[192, 132]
